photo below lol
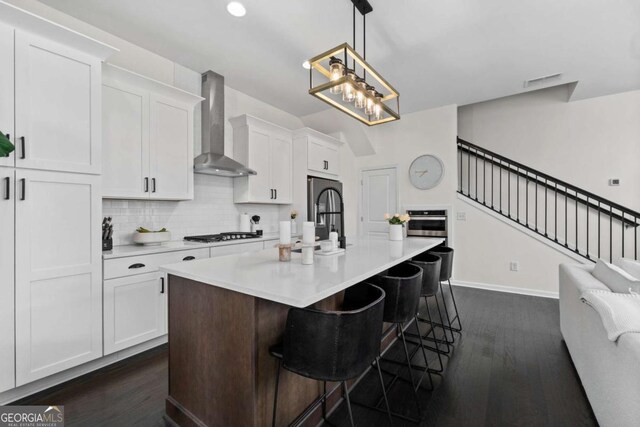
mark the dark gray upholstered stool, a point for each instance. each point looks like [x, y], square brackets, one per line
[446, 254]
[334, 346]
[402, 285]
[430, 265]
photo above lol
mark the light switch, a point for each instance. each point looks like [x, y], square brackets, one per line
[461, 216]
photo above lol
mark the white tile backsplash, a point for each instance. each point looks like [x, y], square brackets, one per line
[211, 211]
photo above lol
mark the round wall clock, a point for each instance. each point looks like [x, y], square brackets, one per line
[426, 172]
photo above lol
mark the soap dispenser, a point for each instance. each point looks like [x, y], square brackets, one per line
[333, 237]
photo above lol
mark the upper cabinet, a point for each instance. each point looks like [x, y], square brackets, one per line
[267, 149]
[147, 138]
[57, 106]
[7, 89]
[50, 94]
[321, 152]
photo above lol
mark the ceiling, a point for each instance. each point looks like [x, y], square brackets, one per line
[434, 52]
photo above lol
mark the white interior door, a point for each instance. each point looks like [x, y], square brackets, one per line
[281, 168]
[134, 310]
[58, 289]
[7, 253]
[125, 142]
[171, 149]
[379, 196]
[6, 89]
[57, 106]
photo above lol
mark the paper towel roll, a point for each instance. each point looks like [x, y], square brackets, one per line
[308, 232]
[245, 224]
[285, 232]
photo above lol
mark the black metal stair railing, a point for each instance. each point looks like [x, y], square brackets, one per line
[582, 222]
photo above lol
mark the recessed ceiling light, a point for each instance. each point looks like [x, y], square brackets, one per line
[306, 65]
[236, 9]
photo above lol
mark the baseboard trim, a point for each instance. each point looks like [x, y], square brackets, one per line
[507, 289]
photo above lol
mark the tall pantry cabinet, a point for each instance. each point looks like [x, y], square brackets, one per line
[50, 201]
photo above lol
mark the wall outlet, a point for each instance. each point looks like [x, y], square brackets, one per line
[614, 182]
[461, 216]
[514, 266]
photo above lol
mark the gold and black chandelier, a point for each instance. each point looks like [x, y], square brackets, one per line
[359, 91]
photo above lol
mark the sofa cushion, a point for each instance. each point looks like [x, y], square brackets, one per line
[615, 278]
[630, 266]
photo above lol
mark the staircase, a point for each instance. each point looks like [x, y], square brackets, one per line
[582, 222]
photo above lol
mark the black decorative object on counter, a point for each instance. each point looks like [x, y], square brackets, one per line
[107, 234]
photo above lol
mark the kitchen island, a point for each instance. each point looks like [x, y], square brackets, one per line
[225, 313]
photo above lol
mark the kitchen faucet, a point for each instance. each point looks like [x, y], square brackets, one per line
[341, 239]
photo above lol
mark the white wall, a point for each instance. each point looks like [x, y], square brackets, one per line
[212, 209]
[399, 143]
[582, 142]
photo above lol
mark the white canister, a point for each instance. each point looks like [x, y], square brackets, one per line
[395, 232]
[333, 238]
[285, 232]
[245, 223]
[307, 255]
[308, 232]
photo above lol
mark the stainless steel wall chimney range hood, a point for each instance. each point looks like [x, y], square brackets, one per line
[212, 161]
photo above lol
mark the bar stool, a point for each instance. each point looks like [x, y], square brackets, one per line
[402, 285]
[446, 254]
[430, 265]
[334, 346]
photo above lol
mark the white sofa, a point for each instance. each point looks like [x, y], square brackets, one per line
[609, 371]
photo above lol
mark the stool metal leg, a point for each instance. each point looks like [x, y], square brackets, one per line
[384, 391]
[434, 334]
[446, 313]
[455, 306]
[275, 397]
[346, 396]
[413, 384]
[324, 400]
[426, 361]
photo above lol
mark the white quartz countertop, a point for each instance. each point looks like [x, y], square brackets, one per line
[177, 245]
[261, 275]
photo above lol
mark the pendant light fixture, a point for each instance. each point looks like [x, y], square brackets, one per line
[359, 91]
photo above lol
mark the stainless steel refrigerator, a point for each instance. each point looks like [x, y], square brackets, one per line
[329, 202]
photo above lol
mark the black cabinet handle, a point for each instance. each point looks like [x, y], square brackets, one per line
[23, 182]
[271, 189]
[138, 265]
[276, 192]
[24, 150]
[7, 183]
[146, 184]
[188, 258]
[162, 283]
[153, 182]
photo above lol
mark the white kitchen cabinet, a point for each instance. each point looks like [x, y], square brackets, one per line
[171, 162]
[58, 277]
[322, 155]
[125, 151]
[134, 310]
[267, 149]
[7, 204]
[57, 106]
[147, 138]
[7, 89]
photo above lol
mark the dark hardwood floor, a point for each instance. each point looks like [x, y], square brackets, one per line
[509, 368]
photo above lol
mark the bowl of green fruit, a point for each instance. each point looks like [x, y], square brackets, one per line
[143, 236]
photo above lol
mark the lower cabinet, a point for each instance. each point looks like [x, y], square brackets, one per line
[135, 310]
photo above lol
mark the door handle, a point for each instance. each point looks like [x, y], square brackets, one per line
[153, 182]
[137, 265]
[162, 283]
[7, 183]
[23, 155]
[23, 183]
[146, 184]
[188, 258]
